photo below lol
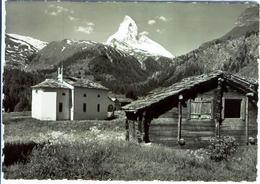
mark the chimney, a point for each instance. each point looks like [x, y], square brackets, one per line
[60, 73]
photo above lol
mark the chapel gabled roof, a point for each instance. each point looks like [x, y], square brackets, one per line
[68, 82]
[84, 83]
[190, 86]
[51, 83]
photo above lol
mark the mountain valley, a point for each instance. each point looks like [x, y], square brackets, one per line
[130, 61]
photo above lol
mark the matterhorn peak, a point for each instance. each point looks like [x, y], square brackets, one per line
[129, 40]
[127, 31]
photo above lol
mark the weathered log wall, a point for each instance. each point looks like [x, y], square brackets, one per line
[164, 131]
[236, 127]
[196, 133]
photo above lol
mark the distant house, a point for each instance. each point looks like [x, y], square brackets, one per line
[116, 102]
[195, 109]
[124, 101]
[119, 100]
[70, 99]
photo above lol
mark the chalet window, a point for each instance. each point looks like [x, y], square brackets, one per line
[232, 108]
[60, 107]
[201, 108]
[98, 95]
[98, 107]
[84, 107]
[36, 91]
[63, 94]
[85, 95]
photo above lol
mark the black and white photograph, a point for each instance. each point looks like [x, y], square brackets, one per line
[130, 91]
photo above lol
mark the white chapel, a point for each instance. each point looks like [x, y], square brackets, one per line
[70, 99]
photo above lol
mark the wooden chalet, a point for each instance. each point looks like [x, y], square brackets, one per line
[191, 111]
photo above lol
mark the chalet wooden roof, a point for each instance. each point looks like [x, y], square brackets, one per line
[51, 83]
[189, 88]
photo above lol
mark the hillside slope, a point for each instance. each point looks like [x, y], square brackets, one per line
[20, 50]
[236, 52]
[85, 59]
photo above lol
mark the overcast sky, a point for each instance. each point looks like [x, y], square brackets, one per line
[179, 27]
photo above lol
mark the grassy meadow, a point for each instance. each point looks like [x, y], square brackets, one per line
[96, 150]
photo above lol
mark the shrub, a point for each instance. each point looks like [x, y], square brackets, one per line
[120, 160]
[90, 161]
[243, 164]
[221, 148]
[17, 152]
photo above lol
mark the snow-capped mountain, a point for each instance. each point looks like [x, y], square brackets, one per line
[84, 58]
[38, 44]
[19, 50]
[129, 40]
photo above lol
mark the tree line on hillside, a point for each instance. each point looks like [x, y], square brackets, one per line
[17, 89]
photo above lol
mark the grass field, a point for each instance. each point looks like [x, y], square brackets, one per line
[96, 150]
[20, 128]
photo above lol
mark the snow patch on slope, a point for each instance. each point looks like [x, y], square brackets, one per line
[63, 48]
[38, 44]
[19, 50]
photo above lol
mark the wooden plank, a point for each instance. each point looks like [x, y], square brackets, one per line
[238, 132]
[247, 119]
[173, 113]
[190, 123]
[146, 126]
[185, 126]
[188, 143]
[184, 136]
[175, 121]
[184, 132]
[127, 130]
[131, 130]
[139, 130]
[134, 131]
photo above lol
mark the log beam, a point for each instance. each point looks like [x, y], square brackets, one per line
[179, 117]
[218, 107]
[146, 125]
[139, 129]
[127, 130]
[134, 130]
[247, 115]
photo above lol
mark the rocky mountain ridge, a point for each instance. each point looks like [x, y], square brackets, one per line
[19, 50]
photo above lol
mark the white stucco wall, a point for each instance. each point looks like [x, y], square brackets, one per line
[44, 104]
[48, 105]
[91, 100]
[36, 101]
[66, 104]
[72, 104]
